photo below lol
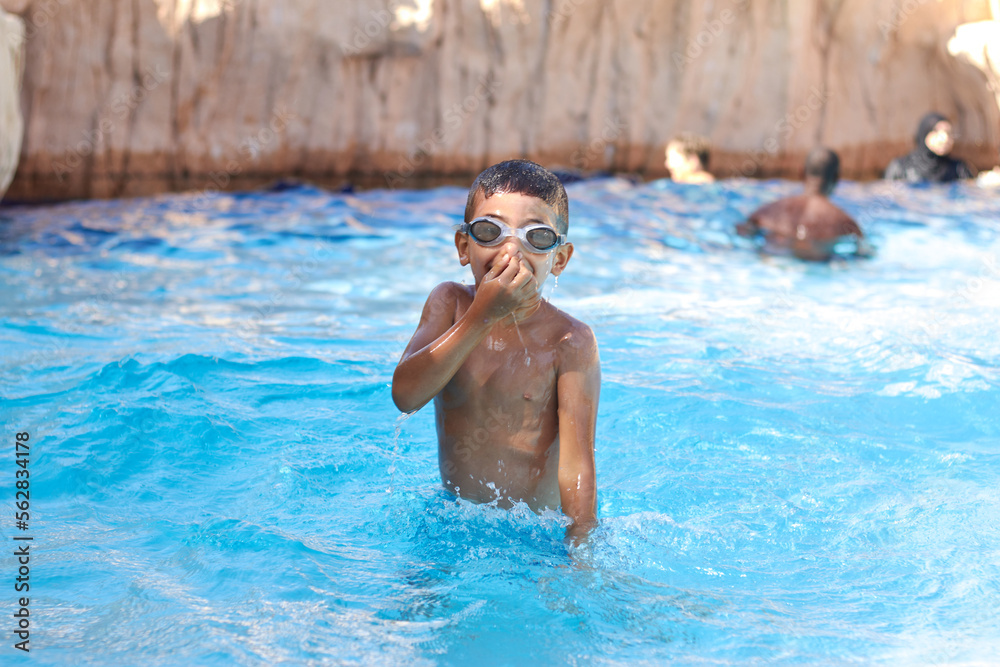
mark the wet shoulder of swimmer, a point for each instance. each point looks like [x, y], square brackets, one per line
[808, 226]
[515, 380]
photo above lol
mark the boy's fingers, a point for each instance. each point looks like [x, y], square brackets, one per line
[512, 269]
[524, 274]
[531, 285]
[498, 268]
[525, 283]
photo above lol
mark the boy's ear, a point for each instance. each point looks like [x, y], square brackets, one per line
[462, 245]
[561, 259]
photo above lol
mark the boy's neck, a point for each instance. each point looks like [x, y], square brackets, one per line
[521, 314]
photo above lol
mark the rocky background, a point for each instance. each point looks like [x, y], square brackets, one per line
[11, 121]
[130, 97]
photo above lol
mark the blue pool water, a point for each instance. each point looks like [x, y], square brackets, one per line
[797, 464]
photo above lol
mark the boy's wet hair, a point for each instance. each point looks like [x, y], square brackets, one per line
[824, 164]
[690, 144]
[522, 177]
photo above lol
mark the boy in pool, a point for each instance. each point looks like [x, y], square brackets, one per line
[515, 381]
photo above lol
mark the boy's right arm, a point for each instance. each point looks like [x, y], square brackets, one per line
[440, 345]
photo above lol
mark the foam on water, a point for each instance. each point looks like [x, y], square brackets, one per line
[797, 464]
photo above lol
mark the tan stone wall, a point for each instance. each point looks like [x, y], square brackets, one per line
[133, 97]
[979, 44]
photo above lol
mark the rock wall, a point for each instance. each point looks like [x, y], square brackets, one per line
[979, 44]
[11, 122]
[136, 97]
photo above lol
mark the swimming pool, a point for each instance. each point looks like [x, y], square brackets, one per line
[797, 464]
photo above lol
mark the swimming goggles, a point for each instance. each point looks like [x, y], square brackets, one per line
[489, 232]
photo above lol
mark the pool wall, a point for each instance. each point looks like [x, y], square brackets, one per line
[138, 98]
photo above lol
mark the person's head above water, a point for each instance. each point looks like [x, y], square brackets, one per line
[520, 177]
[935, 133]
[686, 157]
[822, 170]
[930, 161]
[516, 209]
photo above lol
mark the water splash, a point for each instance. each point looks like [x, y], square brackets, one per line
[496, 493]
[395, 449]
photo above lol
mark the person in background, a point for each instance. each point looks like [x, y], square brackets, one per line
[687, 159]
[930, 161]
[806, 225]
[989, 179]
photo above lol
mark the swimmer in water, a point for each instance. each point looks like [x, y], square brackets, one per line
[989, 179]
[687, 159]
[807, 225]
[930, 161]
[515, 381]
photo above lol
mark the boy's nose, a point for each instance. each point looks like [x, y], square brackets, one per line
[511, 245]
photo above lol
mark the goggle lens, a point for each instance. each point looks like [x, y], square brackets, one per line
[543, 239]
[485, 231]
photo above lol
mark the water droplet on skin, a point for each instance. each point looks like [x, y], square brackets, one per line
[527, 357]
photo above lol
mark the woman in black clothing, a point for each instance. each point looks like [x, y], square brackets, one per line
[929, 161]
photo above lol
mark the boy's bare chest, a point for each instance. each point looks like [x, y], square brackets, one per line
[509, 368]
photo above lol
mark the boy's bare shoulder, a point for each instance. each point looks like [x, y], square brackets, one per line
[450, 290]
[572, 337]
[450, 293]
